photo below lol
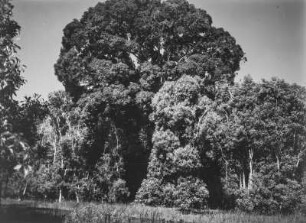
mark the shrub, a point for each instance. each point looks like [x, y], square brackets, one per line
[271, 194]
[150, 192]
[168, 194]
[245, 201]
[190, 193]
[118, 192]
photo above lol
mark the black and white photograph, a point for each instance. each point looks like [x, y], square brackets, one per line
[152, 111]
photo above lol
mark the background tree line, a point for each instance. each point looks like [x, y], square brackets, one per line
[151, 113]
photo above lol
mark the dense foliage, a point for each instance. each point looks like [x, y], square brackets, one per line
[118, 56]
[258, 137]
[12, 146]
[151, 113]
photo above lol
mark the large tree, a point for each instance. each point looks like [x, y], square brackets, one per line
[118, 56]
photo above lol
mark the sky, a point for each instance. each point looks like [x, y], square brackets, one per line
[272, 34]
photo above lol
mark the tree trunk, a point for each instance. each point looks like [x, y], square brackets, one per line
[60, 196]
[63, 176]
[54, 152]
[243, 180]
[77, 194]
[226, 174]
[77, 197]
[250, 182]
[278, 162]
[298, 159]
[25, 190]
[62, 162]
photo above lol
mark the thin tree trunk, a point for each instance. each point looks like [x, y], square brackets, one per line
[62, 162]
[243, 180]
[117, 142]
[25, 189]
[62, 167]
[60, 196]
[298, 159]
[54, 152]
[278, 162]
[226, 174]
[77, 195]
[250, 182]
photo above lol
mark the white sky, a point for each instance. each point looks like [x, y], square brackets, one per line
[271, 33]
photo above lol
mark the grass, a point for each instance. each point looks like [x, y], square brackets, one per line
[92, 212]
[96, 213]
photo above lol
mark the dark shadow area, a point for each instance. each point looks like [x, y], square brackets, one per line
[24, 214]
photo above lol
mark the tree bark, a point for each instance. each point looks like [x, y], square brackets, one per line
[24, 190]
[60, 196]
[226, 173]
[278, 162]
[298, 159]
[77, 195]
[250, 181]
[54, 152]
[243, 180]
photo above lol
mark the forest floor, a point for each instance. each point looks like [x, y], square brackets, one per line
[138, 211]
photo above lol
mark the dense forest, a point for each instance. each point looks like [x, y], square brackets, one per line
[151, 113]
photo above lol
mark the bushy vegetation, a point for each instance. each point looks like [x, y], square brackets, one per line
[151, 113]
[138, 213]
